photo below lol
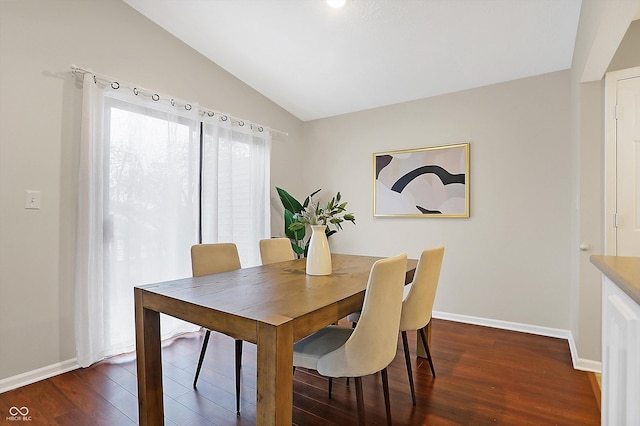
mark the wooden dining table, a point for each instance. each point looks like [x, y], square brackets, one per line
[270, 305]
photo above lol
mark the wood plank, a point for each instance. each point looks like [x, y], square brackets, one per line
[279, 289]
[597, 390]
[149, 363]
[275, 374]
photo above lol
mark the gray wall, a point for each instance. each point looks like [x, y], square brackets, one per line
[509, 260]
[628, 53]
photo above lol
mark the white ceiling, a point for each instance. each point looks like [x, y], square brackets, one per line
[316, 61]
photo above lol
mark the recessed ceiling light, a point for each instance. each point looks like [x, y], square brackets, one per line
[336, 3]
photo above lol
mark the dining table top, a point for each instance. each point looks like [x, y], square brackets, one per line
[270, 294]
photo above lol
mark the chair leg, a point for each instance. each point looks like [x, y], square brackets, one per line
[360, 400]
[407, 360]
[202, 352]
[238, 365]
[385, 389]
[423, 335]
[330, 386]
[353, 325]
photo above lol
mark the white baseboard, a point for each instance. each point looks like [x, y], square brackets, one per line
[581, 363]
[578, 363]
[36, 375]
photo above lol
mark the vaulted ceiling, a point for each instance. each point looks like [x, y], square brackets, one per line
[316, 61]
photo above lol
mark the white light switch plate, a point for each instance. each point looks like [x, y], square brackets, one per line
[32, 200]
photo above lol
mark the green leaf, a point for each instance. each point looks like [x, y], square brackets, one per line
[308, 199]
[330, 204]
[289, 221]
[296, 226]
[297, 248]
[288, 201]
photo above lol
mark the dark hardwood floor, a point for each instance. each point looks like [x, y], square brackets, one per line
[484, 376]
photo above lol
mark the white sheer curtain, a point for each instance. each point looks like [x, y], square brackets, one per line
[137, 213]
[141, 205]
[235, 189]
[89, 315]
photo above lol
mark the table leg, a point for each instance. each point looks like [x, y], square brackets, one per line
[275, 374]
[420, 350]
[149, 364]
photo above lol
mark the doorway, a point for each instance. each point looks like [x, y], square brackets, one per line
[622, 162]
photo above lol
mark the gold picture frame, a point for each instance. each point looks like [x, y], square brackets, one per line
[428, 182]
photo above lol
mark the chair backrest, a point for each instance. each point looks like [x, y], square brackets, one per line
[417, 305]
[372, 345]
[275, 250]
[212, 258]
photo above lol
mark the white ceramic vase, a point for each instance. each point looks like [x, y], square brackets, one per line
[318, 255]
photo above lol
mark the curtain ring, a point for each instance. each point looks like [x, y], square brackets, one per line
[173, 102]
[115, 85]
[95, 80]
[135, 91]
[260, 128]
[211, 113]
[187, 107]
[224, 118]
[155, 97]
[240, 123]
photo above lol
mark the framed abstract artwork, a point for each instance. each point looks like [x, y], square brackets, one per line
[424, 182]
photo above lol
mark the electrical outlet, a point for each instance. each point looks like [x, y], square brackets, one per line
[32, 200]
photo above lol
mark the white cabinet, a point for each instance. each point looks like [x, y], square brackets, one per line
[620, 357]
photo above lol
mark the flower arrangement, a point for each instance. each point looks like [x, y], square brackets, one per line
[297, 216]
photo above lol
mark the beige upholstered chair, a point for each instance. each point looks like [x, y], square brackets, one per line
[417, 305]
[275, 250]
[370, 347]
[213, 258]
[210, 259]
